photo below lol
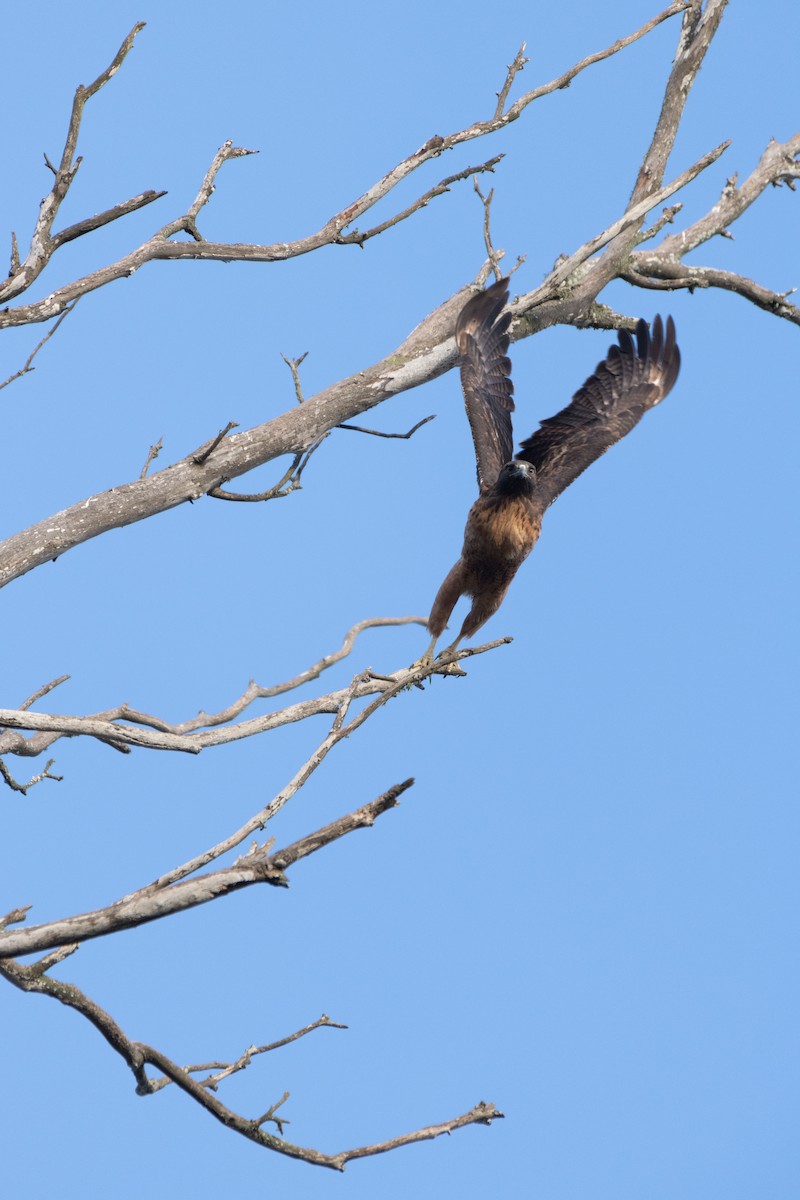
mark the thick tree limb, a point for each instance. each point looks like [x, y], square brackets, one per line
[568, 295]
[428, 352]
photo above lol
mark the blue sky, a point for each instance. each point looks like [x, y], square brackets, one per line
[586, 908]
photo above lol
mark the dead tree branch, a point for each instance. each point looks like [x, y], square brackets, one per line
[662, 267]
[28, 364]
[152, 905]
[138, 1055]
[568, 295]
[380, 433]
[48, 728]
[159, 246]
[43, 243]
[222, 1070]
[428, 352]
[157, 734]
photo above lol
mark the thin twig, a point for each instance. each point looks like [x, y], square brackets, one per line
[486, 201]
[513, 70]
[152, 455]
[379, 433]
[222, 1070]
[201, 456]
[289, 482]
[44, 690]
[294, 366]
[15, 916]
[358, 238]
[24, 788]
[28, 366]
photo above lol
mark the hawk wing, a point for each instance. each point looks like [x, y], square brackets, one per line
[633, 377]
[482, 340]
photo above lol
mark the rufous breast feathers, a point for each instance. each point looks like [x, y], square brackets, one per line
[505, 530]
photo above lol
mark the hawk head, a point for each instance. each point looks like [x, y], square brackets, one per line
[516, 478]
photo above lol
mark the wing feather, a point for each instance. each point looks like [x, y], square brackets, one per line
[634, 377]
[482, 340]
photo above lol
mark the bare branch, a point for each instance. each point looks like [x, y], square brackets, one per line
[222, 1070]
[563, 81]
[160, 735]
[358, 238]
[481, 1114]
[661, 268]
[294, 366]
[15, 916]
[289, 482]
[426, 353]
[13, 743]
[152, 455]
[23, 788]
[201, 456]
[379, 433]
[667, 276]
[514, 68]
[89, 224]
[269, 1115]
[28, 366]
[778, 164]
[137, 1055]
[44, 690]
[159, 247]
[486, 201]
[592, 277]
[43, 244]
[151, 905]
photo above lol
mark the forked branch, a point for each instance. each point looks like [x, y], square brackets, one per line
[138, 1056]
[259, 865]
[183, 735]
[160, 247]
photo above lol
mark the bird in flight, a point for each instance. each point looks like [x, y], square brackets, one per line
[505, 521]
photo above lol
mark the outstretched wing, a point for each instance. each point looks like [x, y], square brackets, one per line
[633, 377]
[482, 340]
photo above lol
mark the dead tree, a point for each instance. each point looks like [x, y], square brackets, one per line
[646, 255]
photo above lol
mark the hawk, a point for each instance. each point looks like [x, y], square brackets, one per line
[505, 521]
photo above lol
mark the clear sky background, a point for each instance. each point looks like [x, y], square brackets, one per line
[586, 908]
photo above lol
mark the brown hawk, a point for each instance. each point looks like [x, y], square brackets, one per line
[505, 521]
